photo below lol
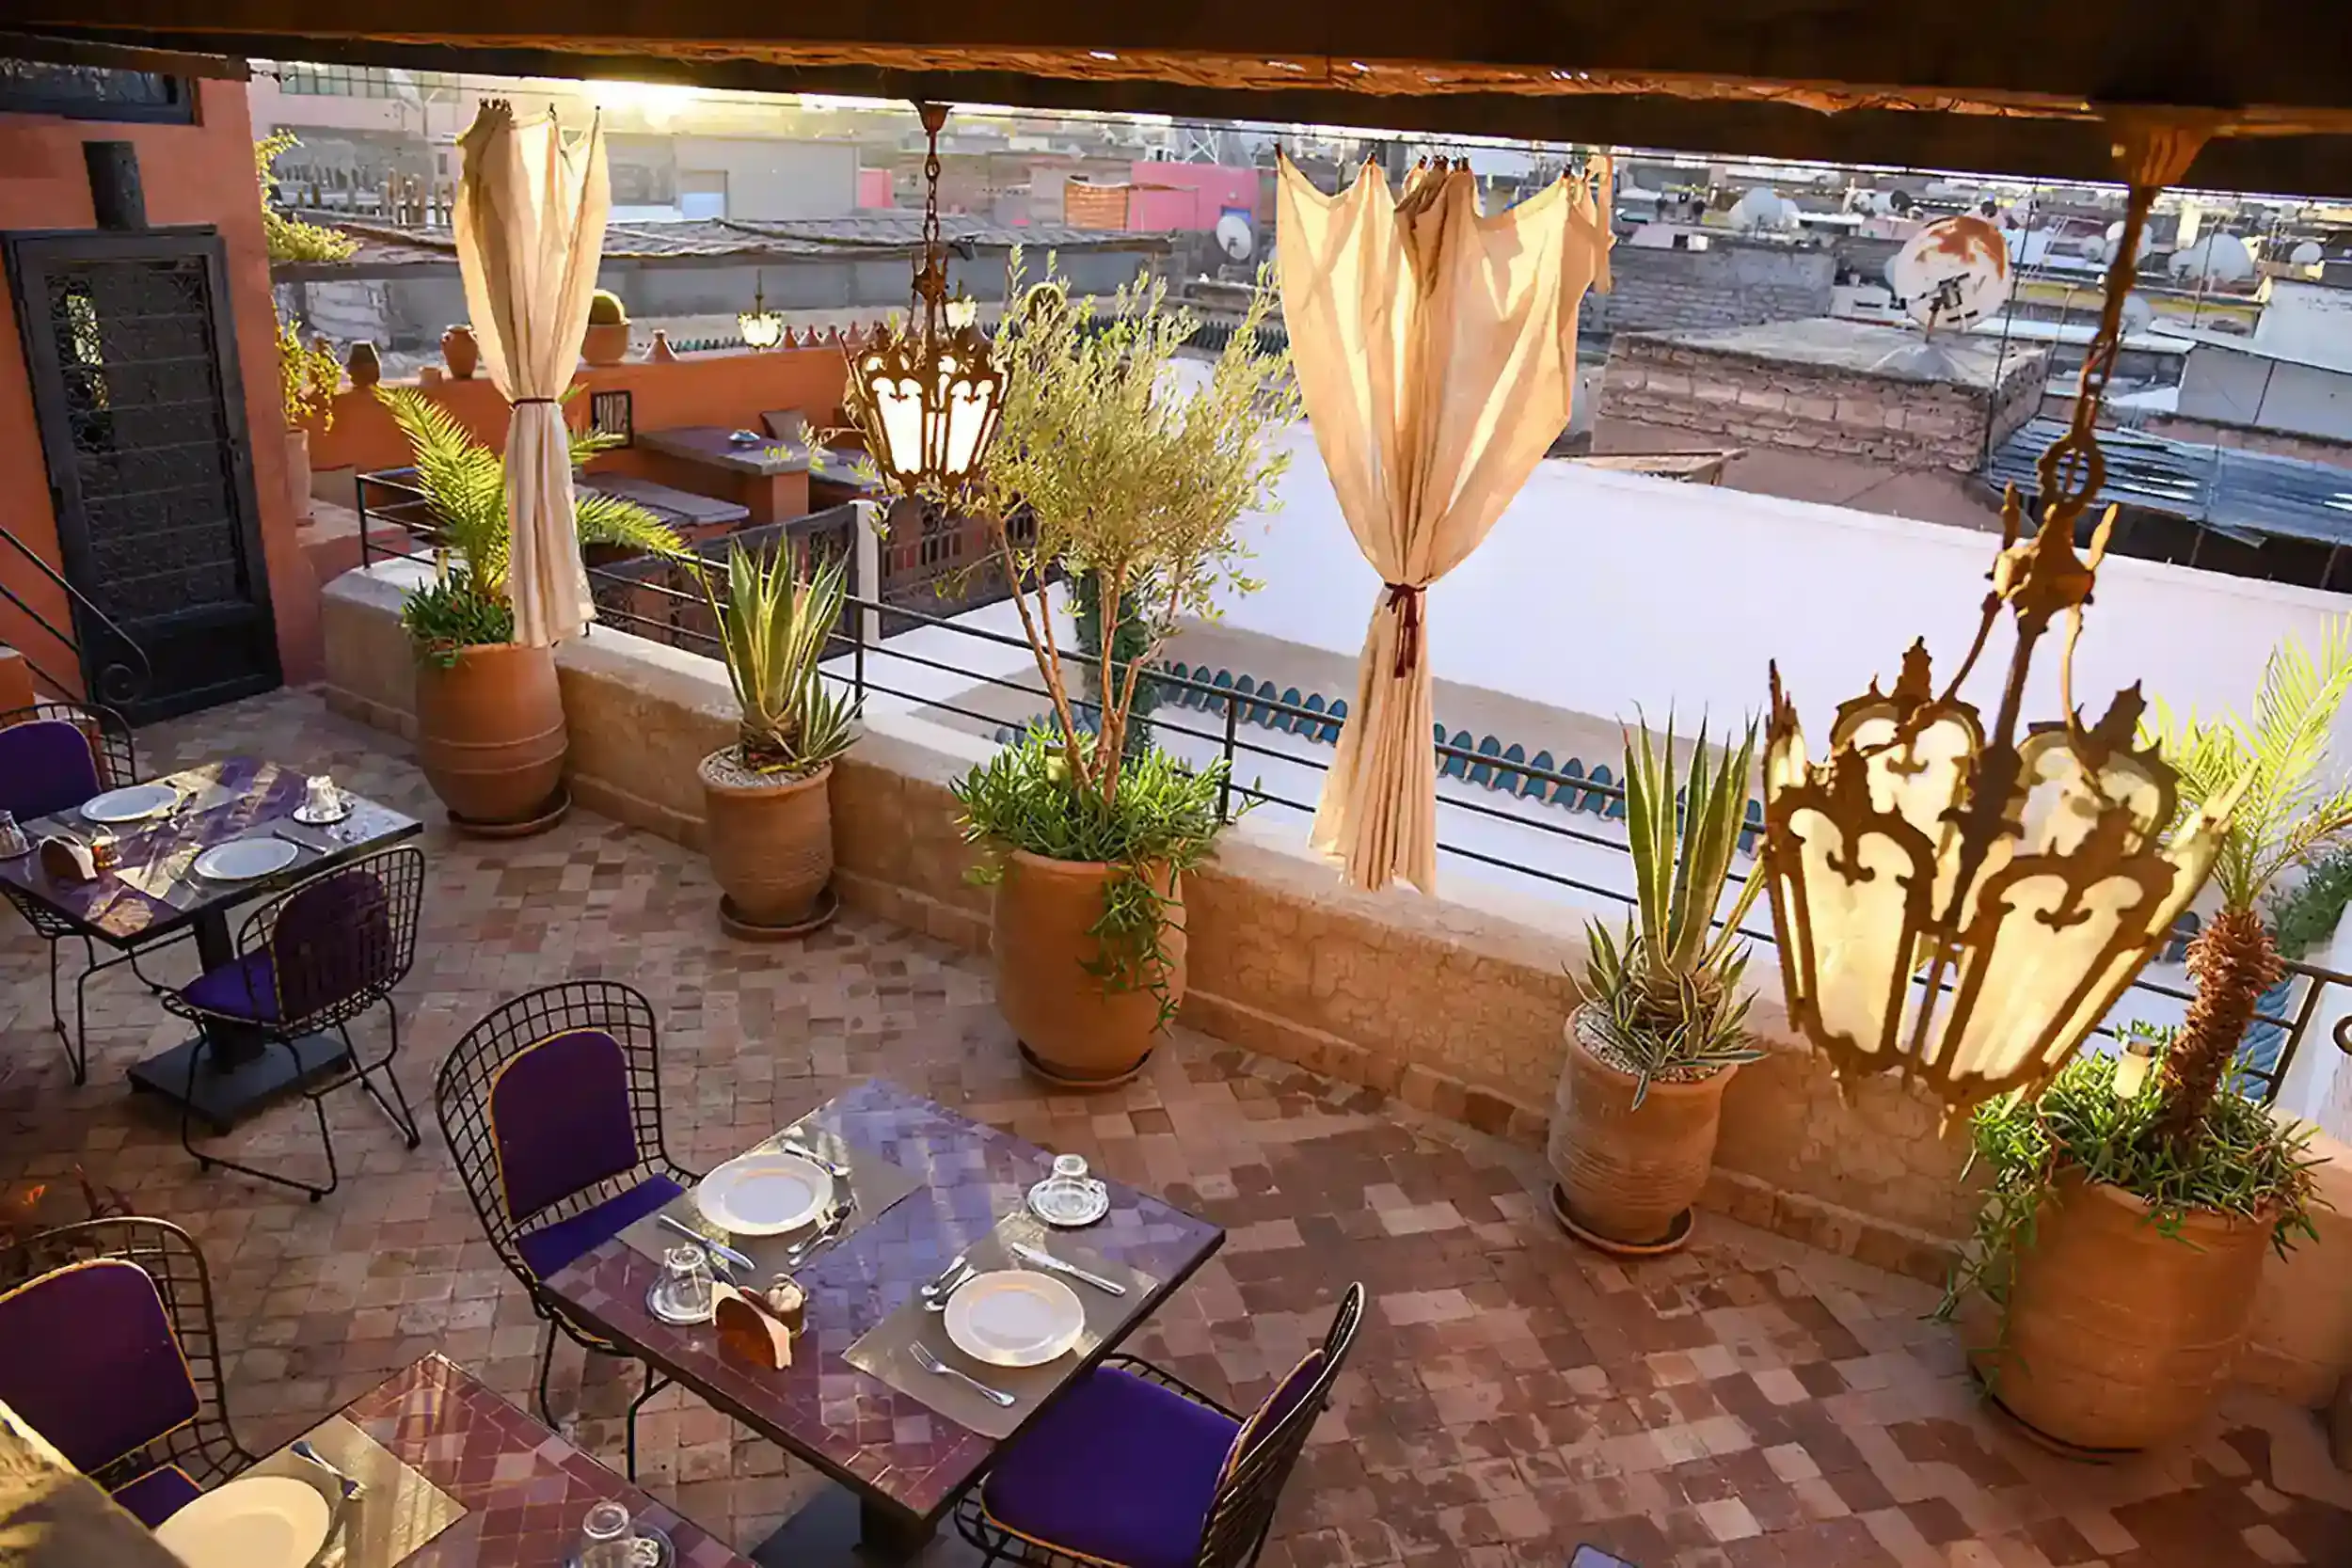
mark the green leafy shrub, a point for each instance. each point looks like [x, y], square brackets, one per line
[452, 613]
[291, 239]
[2306, 917]
[606, 309]
[773, 626]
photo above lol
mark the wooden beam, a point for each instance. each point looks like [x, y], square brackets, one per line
[121, 56]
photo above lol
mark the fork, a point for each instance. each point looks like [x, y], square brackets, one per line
[930, 1363]
[834, 1168]
[838, 1216]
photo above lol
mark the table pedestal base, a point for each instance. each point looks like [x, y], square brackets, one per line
[840, 1530]
[228, 1089]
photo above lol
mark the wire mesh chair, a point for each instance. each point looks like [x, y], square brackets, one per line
[108, 1348]
[311, 960]
[1195, 1465]
[581, 1154]
[40, 777]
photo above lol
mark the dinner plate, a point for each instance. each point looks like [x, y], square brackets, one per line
[765, 1194]
[1014, 1318]
[245, 859]
[254, 1521]
[135, 804]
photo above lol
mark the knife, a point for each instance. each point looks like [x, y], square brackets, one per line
[719, 1250]
[1047, 1261]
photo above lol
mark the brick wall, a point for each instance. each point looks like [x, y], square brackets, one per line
[1739, 400]
[1727, 284]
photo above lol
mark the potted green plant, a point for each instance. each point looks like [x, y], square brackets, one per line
[605, 342]
[768, 820]
[490, 735]
[1105, 463]
[1662, 1025]
[308, 377]
[2116, 1204]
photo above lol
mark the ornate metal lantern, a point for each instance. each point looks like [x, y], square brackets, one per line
[926, 396]
[1964, 907]
[761, 327]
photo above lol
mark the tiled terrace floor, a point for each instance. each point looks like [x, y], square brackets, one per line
[1748, 1403]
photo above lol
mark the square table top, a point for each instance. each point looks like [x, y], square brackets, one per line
[525, 1490]
[154, 888]
[709, 443]
[854, 1426]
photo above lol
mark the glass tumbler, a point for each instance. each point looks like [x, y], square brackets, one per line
[686, 1279]
[609, 1540]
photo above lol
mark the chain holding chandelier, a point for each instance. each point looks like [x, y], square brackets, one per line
[760, 326]
[926, 396]
[1966, 907]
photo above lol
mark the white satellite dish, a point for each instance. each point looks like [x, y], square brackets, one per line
[2307, 253]
[1953, 273]
[1235, 237]
[1763, 209]
[2139, 315]
[2217, 259]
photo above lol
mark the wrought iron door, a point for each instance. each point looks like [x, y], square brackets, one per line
[132, 355]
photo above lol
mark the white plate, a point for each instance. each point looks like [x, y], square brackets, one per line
[1069, 1204]
[765, 1194]
[245, 859]
[135, 804]
[1014, 1318]
[256, 1522]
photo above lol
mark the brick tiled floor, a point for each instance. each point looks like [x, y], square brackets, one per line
[1747, 1404]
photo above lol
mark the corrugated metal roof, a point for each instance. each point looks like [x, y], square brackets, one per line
[2248, 496]
[389, 250]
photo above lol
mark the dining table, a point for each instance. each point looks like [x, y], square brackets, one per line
[861, 1401]
[155, 889]
[450, 1475]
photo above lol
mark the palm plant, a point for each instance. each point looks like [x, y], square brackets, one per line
[2283, 812]
[465, 485]
[773, 625]
[1669, 987]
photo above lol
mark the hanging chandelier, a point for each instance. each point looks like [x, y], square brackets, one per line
[926, 396]
[1964, 907]
[760, 326]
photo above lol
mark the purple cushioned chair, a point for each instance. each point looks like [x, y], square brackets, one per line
[314, 958]
[52, 757]
[1169, 1479]
[107, 1349]
[552, 1108]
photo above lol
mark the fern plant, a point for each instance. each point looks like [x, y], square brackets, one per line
[773, 626]
[2283, 812]
[1668, 989]
[465, 485]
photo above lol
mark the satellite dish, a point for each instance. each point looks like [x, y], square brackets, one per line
[1952, 273]
[1234, 235]
[2307, 253]
[2217, 259]
[1763, 209]
[2139, 315]
[1900, 203]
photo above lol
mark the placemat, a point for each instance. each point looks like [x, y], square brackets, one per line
[874, 1182]
[394, 1516]
[882, 1353]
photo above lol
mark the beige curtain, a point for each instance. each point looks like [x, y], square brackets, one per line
[530, 221]
[1435, 349]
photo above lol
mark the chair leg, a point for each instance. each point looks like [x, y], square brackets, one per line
[547, 1365]
[403, 1119]
[206, 1162]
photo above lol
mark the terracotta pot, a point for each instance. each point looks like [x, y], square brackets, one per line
[1072, 1030]
[460, 352]
[769, 840]
[490, 732]
[661, 353]
[606, 343]
[1625, 1174]
[2119, 1337]
[298, 474]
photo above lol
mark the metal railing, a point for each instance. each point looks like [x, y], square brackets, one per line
[121, 680]
[682, 622]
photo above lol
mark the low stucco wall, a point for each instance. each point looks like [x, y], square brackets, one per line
[1453, 1005]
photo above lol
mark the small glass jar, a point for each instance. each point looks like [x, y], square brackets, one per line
[12, 840]
[609, 1540]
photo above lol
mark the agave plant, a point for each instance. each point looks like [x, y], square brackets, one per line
[2283, 814]
[773, 625]
[464, 484]
[1669, 986]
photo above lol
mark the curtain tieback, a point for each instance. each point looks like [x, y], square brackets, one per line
[1405, 598]
[519, 402]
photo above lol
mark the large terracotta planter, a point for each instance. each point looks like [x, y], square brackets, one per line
[770, 841]
[490, 733]
[2119, 1336]
[1072, 1030]
[1628, 1177]
[606, 342]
